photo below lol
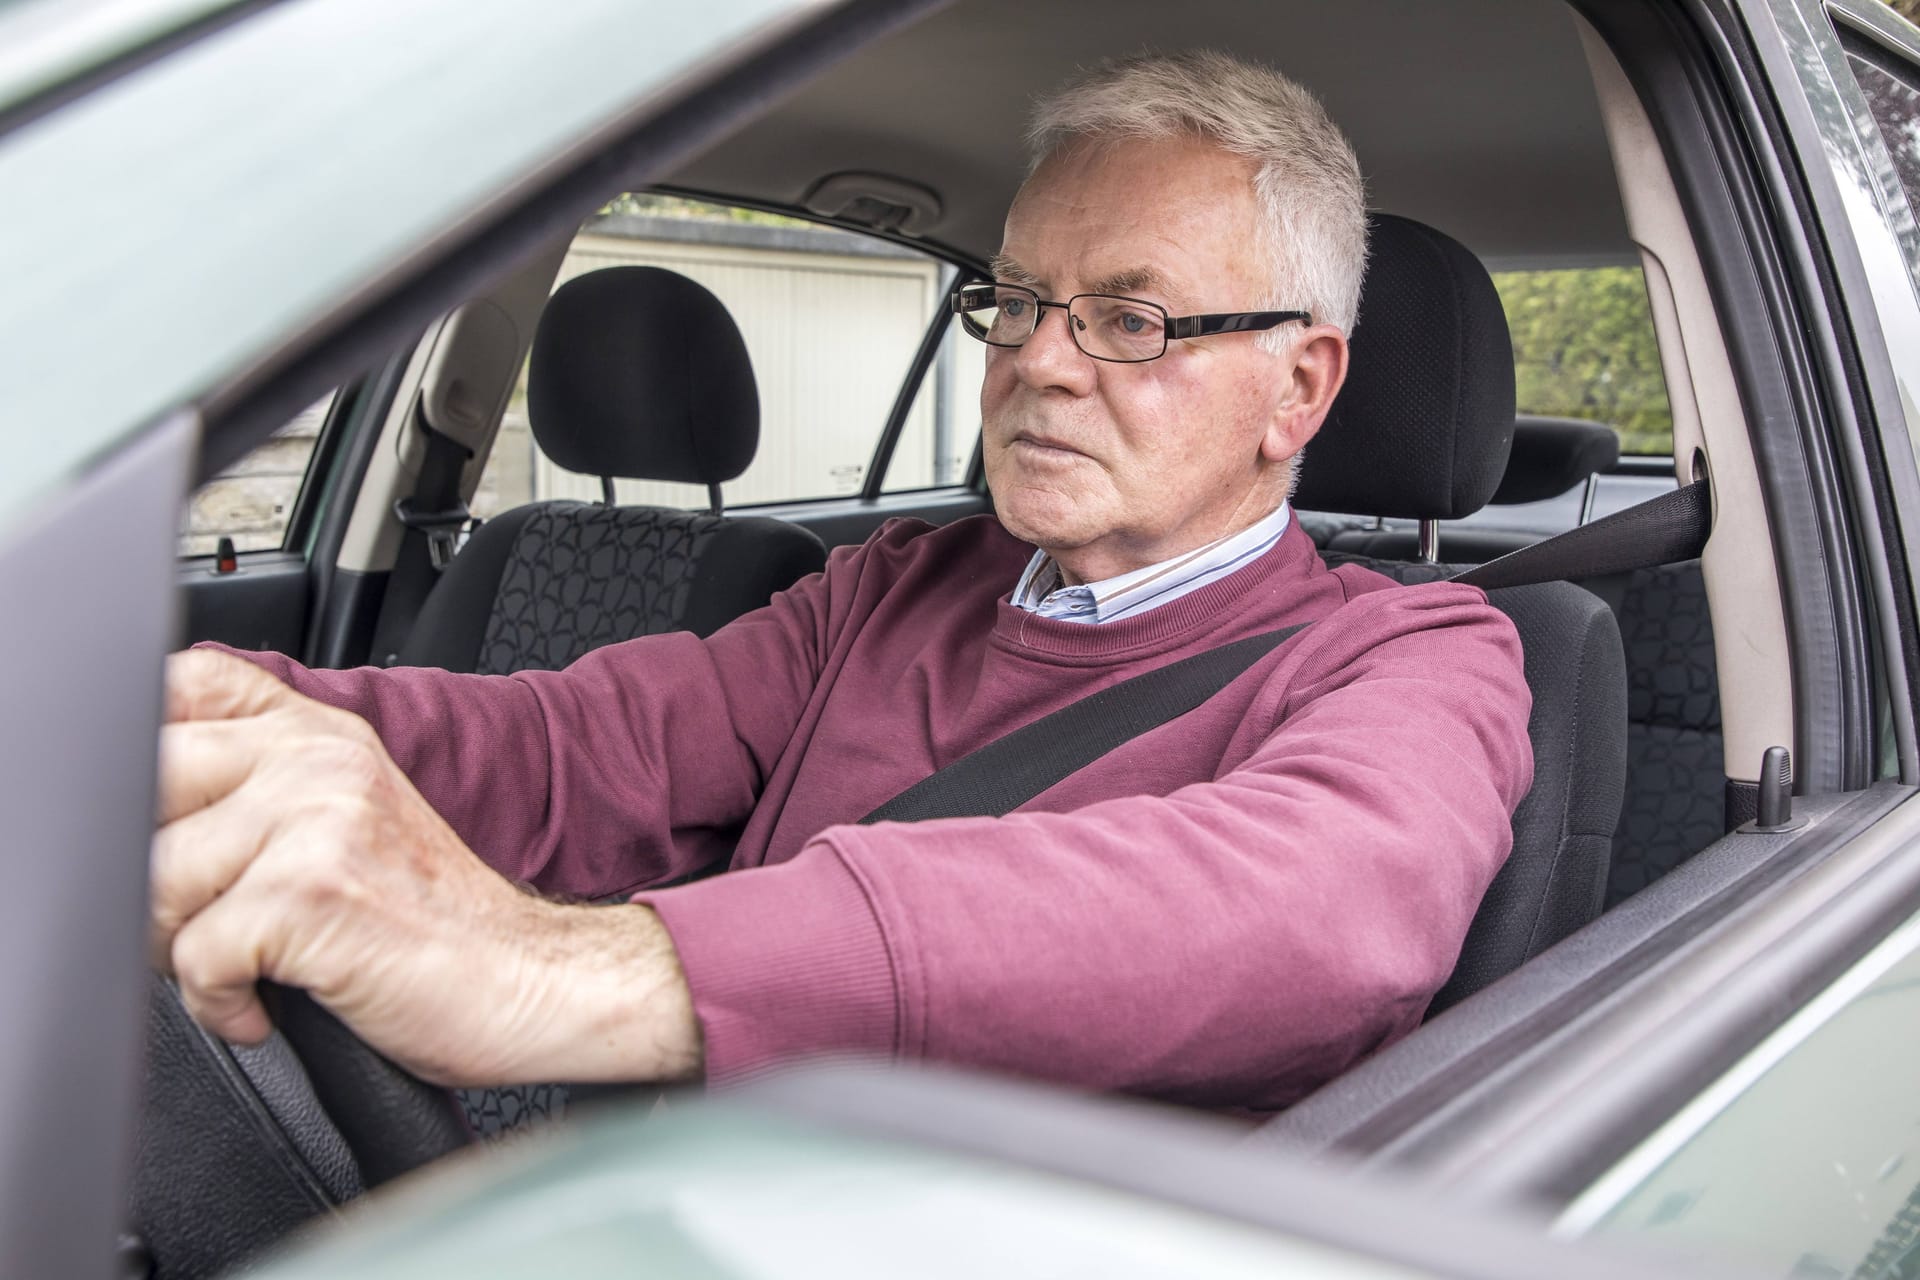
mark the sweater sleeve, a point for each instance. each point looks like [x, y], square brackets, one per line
[1234, 943]
[634, 766]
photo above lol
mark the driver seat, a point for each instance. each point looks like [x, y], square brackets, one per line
[1421, 431]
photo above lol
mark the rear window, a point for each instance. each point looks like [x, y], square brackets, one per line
[1583, 347]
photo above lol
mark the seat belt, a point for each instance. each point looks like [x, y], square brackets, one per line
[433, 515]
[1662, 530]
[1009, 771]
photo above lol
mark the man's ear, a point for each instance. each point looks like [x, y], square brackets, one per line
[1319, 369]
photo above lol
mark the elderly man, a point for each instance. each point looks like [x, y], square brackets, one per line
[1226, 910]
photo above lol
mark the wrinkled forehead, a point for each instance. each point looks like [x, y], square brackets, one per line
[1172, 219]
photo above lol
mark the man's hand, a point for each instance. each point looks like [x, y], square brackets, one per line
[291, 847]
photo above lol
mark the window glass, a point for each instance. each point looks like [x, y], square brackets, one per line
[1804, 1159]
[238, 246]
[943, 428]
[1895, 105]
[252, 500]
[1583, 347]
[831, 321]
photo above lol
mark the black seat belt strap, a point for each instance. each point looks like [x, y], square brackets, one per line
[1663, 530]
[433, 515]
[1011, 770]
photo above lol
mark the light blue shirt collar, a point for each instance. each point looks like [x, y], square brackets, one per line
[1039, 589]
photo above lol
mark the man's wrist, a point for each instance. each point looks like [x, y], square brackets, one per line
[613, 1003]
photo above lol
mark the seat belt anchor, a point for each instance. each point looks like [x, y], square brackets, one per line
[441, 527]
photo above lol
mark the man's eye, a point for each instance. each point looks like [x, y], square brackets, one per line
[1014, 306]
[1134, 323]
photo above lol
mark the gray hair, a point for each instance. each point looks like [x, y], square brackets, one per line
[1313, 232]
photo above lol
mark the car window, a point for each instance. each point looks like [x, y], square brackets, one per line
[831, 319]
[943, 427]
[1892, 90]
[1583, 347]
[1804, 1159]
[252, 501]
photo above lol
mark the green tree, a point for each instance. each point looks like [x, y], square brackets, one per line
[1583, 347]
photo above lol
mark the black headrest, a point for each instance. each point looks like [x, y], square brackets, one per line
[639, 372]
[1551, 455]
[1421, 429]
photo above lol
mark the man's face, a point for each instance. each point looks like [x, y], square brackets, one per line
[1113, 466]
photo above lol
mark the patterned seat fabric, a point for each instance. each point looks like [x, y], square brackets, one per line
[579, 577]
[1675, 802]
[1676, 772]
[1424, 430]
[510, 1110]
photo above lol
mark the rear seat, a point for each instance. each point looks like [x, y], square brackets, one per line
[1676, 773]
[1551, 457]
[1676, 785]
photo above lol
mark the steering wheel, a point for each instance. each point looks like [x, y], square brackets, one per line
[235, 1150]
[391, 1120]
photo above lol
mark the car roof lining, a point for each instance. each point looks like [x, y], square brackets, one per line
[1428, 98]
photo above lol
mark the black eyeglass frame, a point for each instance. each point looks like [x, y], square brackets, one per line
[1172, 329]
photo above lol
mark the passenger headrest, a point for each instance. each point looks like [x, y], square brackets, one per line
[1422, 427]
[639, 372]
[1552, 455]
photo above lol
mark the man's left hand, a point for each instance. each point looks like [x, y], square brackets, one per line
[292, 847]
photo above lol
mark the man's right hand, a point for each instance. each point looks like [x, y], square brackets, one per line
[291, 847]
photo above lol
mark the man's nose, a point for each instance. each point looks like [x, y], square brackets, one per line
[1050, 357]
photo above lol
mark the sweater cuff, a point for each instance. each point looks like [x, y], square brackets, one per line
[784, 962]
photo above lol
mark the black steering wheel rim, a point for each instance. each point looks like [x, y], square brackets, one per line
[391, 1120]
[238, 1147]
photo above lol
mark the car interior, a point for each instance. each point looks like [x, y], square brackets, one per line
[1496, 136]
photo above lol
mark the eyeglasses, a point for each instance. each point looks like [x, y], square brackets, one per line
[1122, 330]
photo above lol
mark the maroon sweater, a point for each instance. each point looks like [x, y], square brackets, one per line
[1225, 911]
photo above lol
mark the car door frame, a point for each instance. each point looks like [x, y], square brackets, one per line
[1526, 1093]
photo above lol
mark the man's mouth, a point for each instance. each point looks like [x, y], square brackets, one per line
[1045, 446]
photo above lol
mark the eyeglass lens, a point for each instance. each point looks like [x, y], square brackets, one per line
[1107, 328]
